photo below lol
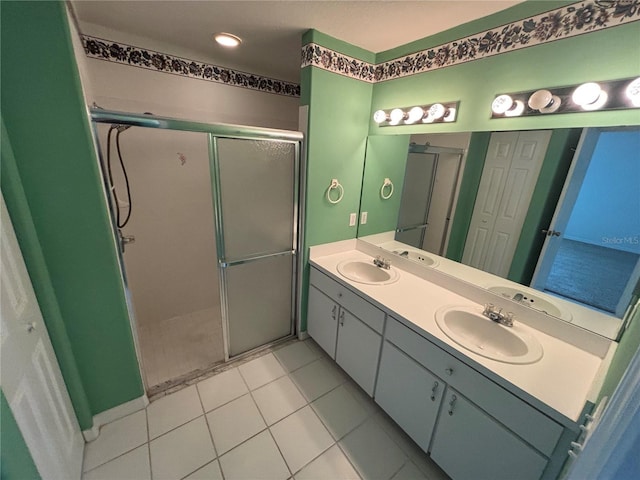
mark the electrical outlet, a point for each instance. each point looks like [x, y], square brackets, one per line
[363, 218]
[352, 219]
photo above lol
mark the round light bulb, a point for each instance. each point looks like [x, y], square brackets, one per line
[450, 116]
[397, 115]
[415, 114]
[227, 39]
[437, 111]
[599, 103]
[380, 116]
[633, 92]
[540, 99]
[516, 110]
[586, 94]
[501, 104]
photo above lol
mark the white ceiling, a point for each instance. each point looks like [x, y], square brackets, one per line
[271, 30]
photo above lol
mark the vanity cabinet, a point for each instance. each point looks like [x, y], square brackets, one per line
[347, 327]
[409, 393]
[469, 444]
[482, 430]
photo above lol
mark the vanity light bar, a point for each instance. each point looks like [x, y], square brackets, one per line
[433, 113]
[590, 96]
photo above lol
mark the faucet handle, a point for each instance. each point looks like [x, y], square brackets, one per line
[488, 308]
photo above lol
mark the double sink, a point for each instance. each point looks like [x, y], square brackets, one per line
[464, 324]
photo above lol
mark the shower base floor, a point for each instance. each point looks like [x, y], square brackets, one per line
[175, 347]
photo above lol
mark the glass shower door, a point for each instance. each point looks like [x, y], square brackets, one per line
[256, 208]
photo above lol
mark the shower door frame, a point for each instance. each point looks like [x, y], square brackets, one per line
[212, 131]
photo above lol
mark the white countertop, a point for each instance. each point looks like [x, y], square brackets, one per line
[593, 320]
[563, 379]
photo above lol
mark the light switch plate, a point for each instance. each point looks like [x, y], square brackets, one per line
[352, 219]
[363, 218]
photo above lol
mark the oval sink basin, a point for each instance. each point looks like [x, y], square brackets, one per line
[365, 272]
[417, 256]
[531, 300]
[469, 328]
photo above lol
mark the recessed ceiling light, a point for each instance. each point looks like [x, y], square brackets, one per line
[227, 39]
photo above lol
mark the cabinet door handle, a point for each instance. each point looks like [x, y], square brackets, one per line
[452, 403]
[449, 371]
[433, 391]
[333, 311]
[342, 318]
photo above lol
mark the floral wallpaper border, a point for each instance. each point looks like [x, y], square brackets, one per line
[568, 21]
[161, 62]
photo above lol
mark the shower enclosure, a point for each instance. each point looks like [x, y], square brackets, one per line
[209, 254]
[430, 181]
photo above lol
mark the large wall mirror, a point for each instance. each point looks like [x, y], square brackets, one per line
[547, 218]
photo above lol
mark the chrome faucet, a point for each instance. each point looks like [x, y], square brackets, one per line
[382, 262]
[497, 316]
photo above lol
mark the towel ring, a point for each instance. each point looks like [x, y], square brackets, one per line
[335, 185]
[387, 183]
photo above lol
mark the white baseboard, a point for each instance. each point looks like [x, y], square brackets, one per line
[112, 414]
[303, 335]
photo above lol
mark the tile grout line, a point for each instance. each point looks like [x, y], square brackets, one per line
[119, 455]
[215, 449]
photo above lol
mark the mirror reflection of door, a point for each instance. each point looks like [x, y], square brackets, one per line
[430, 182]
[595, 232]
[509, 177]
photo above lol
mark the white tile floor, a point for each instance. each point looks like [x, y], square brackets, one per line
[290, 414]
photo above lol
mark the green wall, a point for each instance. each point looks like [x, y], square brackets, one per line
[626, 349]
[386, 157]
[56, 167]
[338, 124]
[16, 462]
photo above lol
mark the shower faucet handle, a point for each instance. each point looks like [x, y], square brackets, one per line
[125, 240]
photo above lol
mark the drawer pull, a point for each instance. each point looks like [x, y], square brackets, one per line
[449, 371]
[452, 403]
[433, 391]
[342, 318]
[333, 311]
[339, 294]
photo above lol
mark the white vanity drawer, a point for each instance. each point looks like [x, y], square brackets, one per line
[517, 415]
[357, 306]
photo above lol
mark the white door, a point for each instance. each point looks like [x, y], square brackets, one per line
[509, 177]
[611, 177]
[31, 378]
[567, 201]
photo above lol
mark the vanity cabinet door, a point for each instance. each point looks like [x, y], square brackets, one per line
[358, 350]
[322, 320]
[409, 393]
[468, 444]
